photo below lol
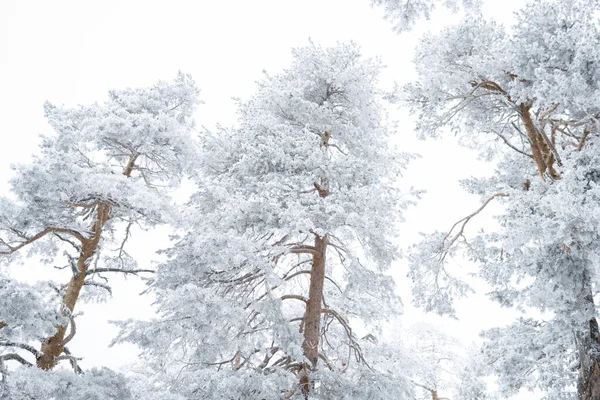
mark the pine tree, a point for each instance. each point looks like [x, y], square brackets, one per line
[102, 172]
[528, 99]
[288, 244]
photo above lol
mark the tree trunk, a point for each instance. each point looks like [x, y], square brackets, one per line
[588, 350]
[312, 317]
[53, 347]
[540, 150]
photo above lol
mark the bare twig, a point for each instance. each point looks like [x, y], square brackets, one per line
[463, 223]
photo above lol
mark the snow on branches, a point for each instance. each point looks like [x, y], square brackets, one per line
[289, 243]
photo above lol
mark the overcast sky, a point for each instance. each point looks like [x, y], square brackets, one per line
[73, 52]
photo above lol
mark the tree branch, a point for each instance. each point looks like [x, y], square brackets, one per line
[74, 363]
[463, 223]
[23, 346]
[294, 296]
[505, 140]
[71, 334]
[15, 357]
[100, 285]
[304, 249]
[12, 249]
[125, 271]
[586, 133]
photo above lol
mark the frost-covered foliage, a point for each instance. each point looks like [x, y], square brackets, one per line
[104, 169]
[35, 384]
[441, 365]
[28, 312]
[306, 176]
[404, 14]
[84, 162]
[527, 97]
[438, 366]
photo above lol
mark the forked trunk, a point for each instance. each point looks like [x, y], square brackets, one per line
[312, 317]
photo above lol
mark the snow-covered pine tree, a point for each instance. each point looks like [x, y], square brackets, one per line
[288, 244]
[529, 98]
[102, 172]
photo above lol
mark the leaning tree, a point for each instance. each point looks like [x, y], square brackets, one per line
[101, 173]
[288, 244]
[527, 98]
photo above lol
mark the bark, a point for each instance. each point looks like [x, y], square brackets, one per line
[314, 306]
[540, 150]
[54, 346]
[588, 350]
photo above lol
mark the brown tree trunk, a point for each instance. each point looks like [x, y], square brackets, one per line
[53, 347]
[588, 350]
[314, 305]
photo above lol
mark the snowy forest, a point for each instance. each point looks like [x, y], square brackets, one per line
[245, 201]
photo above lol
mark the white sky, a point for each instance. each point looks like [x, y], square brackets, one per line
[73, 52]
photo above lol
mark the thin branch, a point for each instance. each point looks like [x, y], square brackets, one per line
[295, 274]
[12, 249]
[326, 360]
[586, 133]
[127, 234]
[73, 362]
[100, 285]
[15, 357]
[463, 223]
[505, 140]
[71, 334]
[78, 248]
[125, 271]
[294, 297]
[23, 346]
